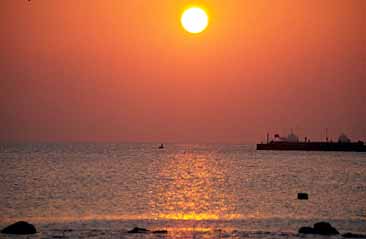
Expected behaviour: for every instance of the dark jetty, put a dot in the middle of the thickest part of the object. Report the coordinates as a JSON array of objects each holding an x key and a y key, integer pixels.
[
  {"x": 320, "y": 228},
  {"x": 313, "y": 146},
  {"x": 20, "y": 228}
]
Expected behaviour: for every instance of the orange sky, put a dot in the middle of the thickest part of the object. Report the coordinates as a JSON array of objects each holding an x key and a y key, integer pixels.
[{"x": 126, "y": 71}]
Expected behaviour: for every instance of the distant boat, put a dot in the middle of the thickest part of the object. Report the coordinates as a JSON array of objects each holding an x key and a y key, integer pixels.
[
  {"x": 292, "y": 143},
  {"x": 161, "y": 146}
]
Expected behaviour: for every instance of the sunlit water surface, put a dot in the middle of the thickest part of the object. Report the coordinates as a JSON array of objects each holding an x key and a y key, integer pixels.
[{"x": 193, "y": 191}]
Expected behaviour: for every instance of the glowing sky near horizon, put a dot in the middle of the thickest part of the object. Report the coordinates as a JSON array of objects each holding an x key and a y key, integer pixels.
[{"x": 127, "y": 71}]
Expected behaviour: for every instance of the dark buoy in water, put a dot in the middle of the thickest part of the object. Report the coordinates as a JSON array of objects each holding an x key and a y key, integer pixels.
[
  {"x": 161, "y": 146},
  {"x": 302, "y": 196}
]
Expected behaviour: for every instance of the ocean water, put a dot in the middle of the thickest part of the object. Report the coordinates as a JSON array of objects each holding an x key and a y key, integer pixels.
[{"x": 193, "y": 191}]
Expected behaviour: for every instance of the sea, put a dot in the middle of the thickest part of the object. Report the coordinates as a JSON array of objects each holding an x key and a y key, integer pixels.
[{"x": 100, "y": 190}]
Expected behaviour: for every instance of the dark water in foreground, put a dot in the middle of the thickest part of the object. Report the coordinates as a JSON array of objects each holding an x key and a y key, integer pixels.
[{"x": 193, "y": 191}]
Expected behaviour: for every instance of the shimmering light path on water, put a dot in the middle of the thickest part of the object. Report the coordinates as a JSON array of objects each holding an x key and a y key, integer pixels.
[{"x": 203, "y": 187}]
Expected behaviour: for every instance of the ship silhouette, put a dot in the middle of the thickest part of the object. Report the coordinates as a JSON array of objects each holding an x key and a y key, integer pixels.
[{"x": 292, "y": 143}]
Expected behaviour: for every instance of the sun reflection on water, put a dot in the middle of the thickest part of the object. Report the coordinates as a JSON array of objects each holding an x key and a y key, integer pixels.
[{"x": 191, "y": 188}]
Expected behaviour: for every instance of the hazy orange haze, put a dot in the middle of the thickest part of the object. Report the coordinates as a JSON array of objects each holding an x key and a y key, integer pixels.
[{"x": 126, "y": 70}]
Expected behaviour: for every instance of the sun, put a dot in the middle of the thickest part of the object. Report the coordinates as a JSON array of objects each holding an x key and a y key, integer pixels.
[{"x": 194, "y": 20}]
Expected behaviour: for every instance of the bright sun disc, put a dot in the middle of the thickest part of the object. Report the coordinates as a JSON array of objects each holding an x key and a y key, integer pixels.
[{"x": 194, "y": 20}]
